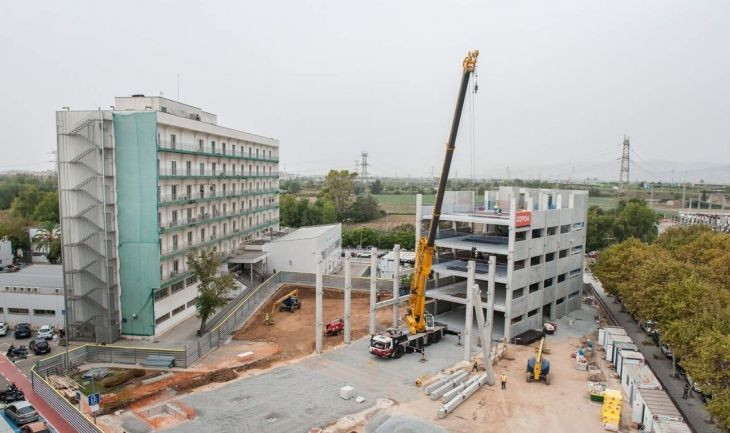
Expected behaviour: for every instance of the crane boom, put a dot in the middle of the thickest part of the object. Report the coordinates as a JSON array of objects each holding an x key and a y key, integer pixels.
[{"x": 415, "y": 317}]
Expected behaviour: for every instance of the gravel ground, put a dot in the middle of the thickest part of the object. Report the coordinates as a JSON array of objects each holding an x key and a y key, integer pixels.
[{"x": 306, "y": 394}]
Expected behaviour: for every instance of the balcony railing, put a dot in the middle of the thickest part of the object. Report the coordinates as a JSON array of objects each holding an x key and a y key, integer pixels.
[
  {"x": 208, "y": 151},
  {"x": 181, "y": 223},
  {"x": 166, "y": 199},
  {"x": 224, "y": 174},
  {"x": 166, "y": 253}
]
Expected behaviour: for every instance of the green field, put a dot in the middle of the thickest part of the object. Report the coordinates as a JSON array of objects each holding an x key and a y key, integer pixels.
[
  {"x": 603, "y": 202},
  {"x": 401, "y": 203}
]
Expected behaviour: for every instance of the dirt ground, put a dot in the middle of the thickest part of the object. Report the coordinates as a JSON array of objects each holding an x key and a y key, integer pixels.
[
  {"x": 522, "y": 407},
  {"x": 294, "y": 332}
]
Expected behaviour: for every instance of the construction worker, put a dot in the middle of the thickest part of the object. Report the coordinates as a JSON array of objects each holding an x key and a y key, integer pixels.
[
  {"x": 475, "y": 366},
  {"x": 503, "y": 379}
]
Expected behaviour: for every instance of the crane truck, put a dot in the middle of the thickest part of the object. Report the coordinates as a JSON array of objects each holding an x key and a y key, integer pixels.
[{"x": 421, "y": 328}]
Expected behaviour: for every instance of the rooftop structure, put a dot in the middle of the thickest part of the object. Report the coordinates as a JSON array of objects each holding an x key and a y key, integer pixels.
[{"x": 142, "y": 186}]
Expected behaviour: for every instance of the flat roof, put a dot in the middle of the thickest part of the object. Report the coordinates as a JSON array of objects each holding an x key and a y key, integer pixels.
[
  {"x": 38, "y": 275},
  {"x": 308, "y": 232},
  {"x": 669, "y": 426},
  {"x": 248, "y": 257},
  {"x": 643, "y": 376},
  {"x": 659, "y": 403}
]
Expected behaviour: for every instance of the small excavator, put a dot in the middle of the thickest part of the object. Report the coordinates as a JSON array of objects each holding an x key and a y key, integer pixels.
[{"x": 422, "y": 330}]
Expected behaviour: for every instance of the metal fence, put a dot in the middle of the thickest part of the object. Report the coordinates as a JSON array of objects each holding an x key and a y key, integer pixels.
[{"x": 80, "y": 422}]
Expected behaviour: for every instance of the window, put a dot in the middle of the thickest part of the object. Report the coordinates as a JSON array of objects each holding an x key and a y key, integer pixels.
[
  {"x": 521, "y": 236},
  {"x": 534, "y": 287},
  {"x": 161, "y": 293},
  {"x": 532, "y": 313},
  {"x": 190, "y": 238},
  {"x": 518, "y": 293},
  {"x": 212, "y": 147},
  {"x": 175, "y": 266},
  {"x": 174, "y": 242},
  {"x": 188, "y": 191},
  {"x": 177, "y": 287},
  {"x": 202, "y": 169},
  {"x": 552, "y": 230},
  {"x": 192, "y": 302},
  {"x": 172, "y": 141},
  {"x": 191, "y": 280},
  {"x": 560, "y": 301},
  {"x": 516, "y": 320},
  {"x": 536, "y": 233},
  {"x": 200, "y": 145},
  {"x": 563, "y": 253},
  {"x": 565, "y": 228},
  {"x": 223, "y": 147},
  {"x": 577, "y": 249},
  {"x": 548, "y": 282},
  {"x": 212, "y": 168},
  {"x": 178, "y": 309},
  {"x": 174, "y": 217},
  {"x": 519, "y": 264},
  {"x": 573, "y": 295},
  {"x": 534, "y": 261},
  {"x": 162, "y": 318},
  {"x": 173, "y": 166},
  {"x": 44, "y": 312},
  {"x": 188, "y": 167},
  {"x": 233, "y": 149},
  {"x": 224, "y": 169},
  {"x": 549, "y": 257},
  {"x": 173, "y": 188},
  {"x": 579, "y": 225},
  {"x": 561, "y": 278},
  {"x": 18, "y": 310},
  {"x": 575, "y": 273}
]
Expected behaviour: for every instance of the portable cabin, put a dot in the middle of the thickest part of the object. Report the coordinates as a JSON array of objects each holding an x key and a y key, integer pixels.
[
  {"x": 603, "y": 332},
  {"x": 626, "y": 357},
  {"x": 611, "y": 341},
  {"x": 654, "y": 404}
]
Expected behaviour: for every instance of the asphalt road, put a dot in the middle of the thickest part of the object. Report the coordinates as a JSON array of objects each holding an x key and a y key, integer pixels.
[{"x": 696, "y": 416}]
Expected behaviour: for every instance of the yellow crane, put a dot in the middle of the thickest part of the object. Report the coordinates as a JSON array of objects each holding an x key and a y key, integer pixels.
[
  {"x": 296, "y": 303},
  {"x": 422, "y": 329}
]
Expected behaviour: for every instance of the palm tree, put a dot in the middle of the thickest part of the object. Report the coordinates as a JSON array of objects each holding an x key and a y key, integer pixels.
[{"x": 43, "y": 238}]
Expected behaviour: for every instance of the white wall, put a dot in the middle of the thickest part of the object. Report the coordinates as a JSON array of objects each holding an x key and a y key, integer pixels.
[
  {"x": 6, "y": 253},
  {"x": 298, "y": 255},
  {"x": 33, "y": 302}
]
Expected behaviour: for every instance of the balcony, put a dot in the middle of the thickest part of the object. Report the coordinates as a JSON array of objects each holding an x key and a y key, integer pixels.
[
  {"x": 181, "y": 224},
  {"x": 193, "y": 149},
  {"x": 196, "y": 197},
  {"x": 169, "y": 252},
  {"x": 168, "y": 173}
]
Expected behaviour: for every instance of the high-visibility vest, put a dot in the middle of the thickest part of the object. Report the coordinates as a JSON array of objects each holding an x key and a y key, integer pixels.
[{"x": 504, "y": 378}]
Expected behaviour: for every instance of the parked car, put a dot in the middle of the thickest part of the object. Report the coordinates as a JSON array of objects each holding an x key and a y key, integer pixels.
[
  {"x": 666, "y": 350},
  {"x": 648, "y": 326},
  {"x": 46, "y": 331},
  {"x": 35, "y": 427},
  {"x": 40, "y": 346},
  {"x": 22, "y": 330},
  {"x": 3, "y": 329},
  {"x": 21, "y": 412}
]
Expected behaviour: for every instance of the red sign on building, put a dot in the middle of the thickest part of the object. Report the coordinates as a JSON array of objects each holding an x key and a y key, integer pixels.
[{"x": 523, "y": 218}]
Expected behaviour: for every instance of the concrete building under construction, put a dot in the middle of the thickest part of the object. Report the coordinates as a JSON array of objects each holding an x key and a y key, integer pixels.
[{"x": 538, "y": 237}]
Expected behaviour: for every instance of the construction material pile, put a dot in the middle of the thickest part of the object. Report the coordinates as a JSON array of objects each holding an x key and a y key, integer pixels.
[{"x": 454, "y": 389}]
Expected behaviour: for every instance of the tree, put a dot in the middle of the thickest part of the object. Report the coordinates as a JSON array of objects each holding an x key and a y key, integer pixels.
[
  {"x": 45, "y": 236},
  {"x": 599, "y": 234},
  {"x": 16, "y": 230},
  {"x": 288, "y": 210},
  {"x": 363, "y": 209},
  {"x": 25, "y": 203},
  {"x": 292, "y": 186},
  {"x": 212, "y": 285},
  {"x": 629, "y": 219},
  {"x": 338, "y": 188},
  {"x": 47, "y": 209},
  {"x": 376, "y": 187},
  {"x": 54, "y": 254},
  {"x": 615, "y": 265}
]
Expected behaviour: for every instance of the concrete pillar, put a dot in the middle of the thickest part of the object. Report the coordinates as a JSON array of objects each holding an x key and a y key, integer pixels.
[
  {"x": 373, "y": 287},
  {"x": 419, "y": 216},
  {"x": 485, "y": 326},
  {"x": 396, "y": 283},
  {"x": 466, "y": 337},
  {"x": 319, "y": 326},
  {"x": 348, "y": 297}
]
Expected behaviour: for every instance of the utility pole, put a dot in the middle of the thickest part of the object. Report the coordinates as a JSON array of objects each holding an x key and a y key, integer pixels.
[
  {"x": 684, "y": 191},
  {"x": 623, "y": 177},
  {"x": 364, "y": 167}
]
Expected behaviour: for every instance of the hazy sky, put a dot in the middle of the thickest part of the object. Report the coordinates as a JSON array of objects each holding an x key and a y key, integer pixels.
[{"x": 560, "y": 82}]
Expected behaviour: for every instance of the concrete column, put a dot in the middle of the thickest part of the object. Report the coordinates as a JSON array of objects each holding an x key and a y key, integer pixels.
[
  {"x": 348, "y": 297},
  {"x": 419, "y": 216},
  {"x": 490, "y": 297},
  {"x": 466, "y": 337},
  {"x": 373, "y": 287},
  {"x": 396, "y": 283},
  {"x": 318, "y": 328}
]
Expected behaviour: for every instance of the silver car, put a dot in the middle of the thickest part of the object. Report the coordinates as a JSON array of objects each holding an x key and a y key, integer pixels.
[
  {"x": 3, "y": 329},
  {"x": 21, "y": 412}
]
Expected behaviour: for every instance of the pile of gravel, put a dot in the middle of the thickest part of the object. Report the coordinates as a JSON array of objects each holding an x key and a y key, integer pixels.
[{"x": 400, "y": 424}]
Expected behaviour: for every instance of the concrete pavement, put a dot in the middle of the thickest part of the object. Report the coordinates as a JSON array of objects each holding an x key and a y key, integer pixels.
[{"x": 692, "y": 409}]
